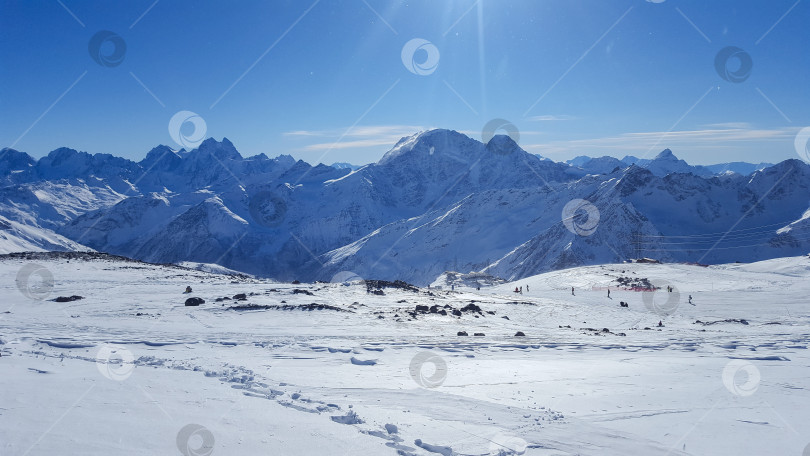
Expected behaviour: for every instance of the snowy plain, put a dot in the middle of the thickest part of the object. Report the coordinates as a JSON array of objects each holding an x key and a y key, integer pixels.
[{"x": 130, "y": 370}]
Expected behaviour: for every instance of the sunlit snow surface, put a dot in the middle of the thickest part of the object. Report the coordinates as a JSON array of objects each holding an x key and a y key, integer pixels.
[{"x": 128, "y": 368}]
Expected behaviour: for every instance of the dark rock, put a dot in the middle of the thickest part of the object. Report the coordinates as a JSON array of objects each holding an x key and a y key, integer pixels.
[
  {"x": 240, "y": 297},
  {"x": 478, "y": 334},
  {"x": 295, "y": 282},
  {"x": 421, "y": 308},
  {"x": 399, "y": 284},
  {"x": 306, "y": 307},
  {"x": 300, "y": 291},
  {"x": 462, "y": 333},
  {"x": 471, "y": 308},
  {"x": 456, "y": 312},
  {"x": 434, "y": 309},
  {"x": 442, "y": 312},
  {"x": 520, "y": 334},
  {"x": 195, "y": 301},
  {"x": 730, "y": 320},
  {"x": 505, "y": 317},
  {"x": 67, "y": 298}
]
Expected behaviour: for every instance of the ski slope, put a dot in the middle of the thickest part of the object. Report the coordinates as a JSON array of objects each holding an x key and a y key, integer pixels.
[{"x": 128, "y": 368}]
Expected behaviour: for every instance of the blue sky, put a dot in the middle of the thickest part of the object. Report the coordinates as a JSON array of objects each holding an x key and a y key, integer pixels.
[{"x": 325, "y": 81}]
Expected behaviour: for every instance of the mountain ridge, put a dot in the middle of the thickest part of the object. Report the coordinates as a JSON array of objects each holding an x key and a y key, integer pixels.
[{"x": 437, "y": 200}]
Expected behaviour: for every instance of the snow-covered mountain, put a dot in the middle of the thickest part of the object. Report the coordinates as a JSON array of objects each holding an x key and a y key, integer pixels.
[
  {"x": 19, "y": 237},
  {"x": 345, "y": 165},
  {"x": 664, "y": 163},
  {"x": 437, "y": 201}
]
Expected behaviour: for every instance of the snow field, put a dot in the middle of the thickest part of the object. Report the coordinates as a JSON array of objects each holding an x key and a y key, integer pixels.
[{"x": 93, "y": 376}]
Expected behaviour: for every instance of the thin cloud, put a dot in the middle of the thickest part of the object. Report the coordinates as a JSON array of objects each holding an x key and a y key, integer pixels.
[
  {"x": 350, "y": 144},
  {"x": 360, "y": 131},
  {"x": 720, "y": 139},
  {"x": 732, "y": 125},
  {"x": 303, "y": 133},
  {"x": 550, "y": 117},
  {"x": 356, "y": 137}
]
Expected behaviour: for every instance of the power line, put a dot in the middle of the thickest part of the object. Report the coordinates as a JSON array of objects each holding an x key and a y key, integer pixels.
[{"x": 720, "y": 233}]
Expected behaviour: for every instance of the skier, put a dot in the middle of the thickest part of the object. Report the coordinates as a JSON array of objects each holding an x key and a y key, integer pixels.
[
  {"x": 188, "y": 289},
  {"x": 608, "y": 292},
  {"x": 516, "y": 290},
  {"x": 690, "y": 300},
  {"x": 521, "y": 290},
  {"x": 572, "y": 291},
  {"x": 660, "y": 324},
  {"x": 527, "y": 288},
  {"x": 452, "y": 288}
]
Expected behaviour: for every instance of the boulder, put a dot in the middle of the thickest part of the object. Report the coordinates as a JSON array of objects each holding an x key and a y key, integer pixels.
[
  {"x": 471, "y": 308},
  {"x": 68, "y": 298},
  {"x": 194, "y": 301}
]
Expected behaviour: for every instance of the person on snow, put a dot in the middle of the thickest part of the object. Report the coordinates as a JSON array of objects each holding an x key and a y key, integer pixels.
[
  {"x": 527, "y": 288},
  {"x": 660, "y": 324},
  {"x": 188, "y": 289},
  {"x": 608, "y": 292},
  {"x": 572, "y": 291},
  {"x": 521, "y": 290},
  {"x": 690, "y": 300}
]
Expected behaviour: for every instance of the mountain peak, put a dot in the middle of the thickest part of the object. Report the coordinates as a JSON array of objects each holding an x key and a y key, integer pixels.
[
  {"x": 221, "y": 149},
  {"x": 667, "y": 155},
  {"x": 438, "y": 141},
  {"x": 167, "y": 157},
  {"x": 502, "y": 145},
  {"x": 11, "y": 159}
]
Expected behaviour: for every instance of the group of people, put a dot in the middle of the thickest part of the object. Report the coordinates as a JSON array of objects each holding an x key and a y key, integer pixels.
[{"x": 520, "y": 289}]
